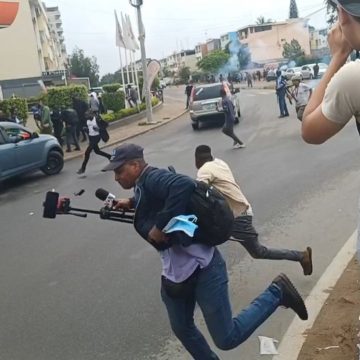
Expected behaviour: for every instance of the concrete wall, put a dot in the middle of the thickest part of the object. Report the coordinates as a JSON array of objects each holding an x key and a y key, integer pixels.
[
  {"x": 265, "y": 45},
  {"x": 19, "y": 57}
]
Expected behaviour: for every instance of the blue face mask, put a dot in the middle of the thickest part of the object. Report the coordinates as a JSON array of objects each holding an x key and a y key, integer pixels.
[{"x": 184, "y": 223}]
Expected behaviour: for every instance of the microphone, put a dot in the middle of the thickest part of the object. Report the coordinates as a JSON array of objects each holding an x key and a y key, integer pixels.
[{"x": 105, "y": 196}]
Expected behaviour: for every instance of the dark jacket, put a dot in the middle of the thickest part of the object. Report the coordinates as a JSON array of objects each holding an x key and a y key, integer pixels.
[
  {"x": 70, "y": 117},
  {"x": 159, "y": 196}
]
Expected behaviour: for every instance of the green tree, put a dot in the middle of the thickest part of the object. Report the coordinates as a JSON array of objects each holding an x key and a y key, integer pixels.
[
  {"x": 261, "y": 20},
  {"x": 214, "y": 61},
  {"x": 293, "y": 50},
  {"x": 184, "y": 74},
  {"x": 331, "y": 12},
  {"x": 293, "y": 10},
  {"x": 84, "y": 66}
]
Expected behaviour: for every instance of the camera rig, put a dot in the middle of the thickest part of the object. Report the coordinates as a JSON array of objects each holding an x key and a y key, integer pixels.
[{"x": 55, "y": 204}]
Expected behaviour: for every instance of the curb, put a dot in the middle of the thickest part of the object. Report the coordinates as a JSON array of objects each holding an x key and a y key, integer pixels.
[{"x": 144, "y": 129}]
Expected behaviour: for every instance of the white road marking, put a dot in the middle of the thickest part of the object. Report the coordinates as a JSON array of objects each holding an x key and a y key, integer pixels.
[{"x": 294, "y": 337}]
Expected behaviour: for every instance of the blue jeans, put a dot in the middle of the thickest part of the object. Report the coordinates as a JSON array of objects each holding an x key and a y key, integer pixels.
[
  {"x": 282, "y": 103},
  {"x": 211, "y": 294}
]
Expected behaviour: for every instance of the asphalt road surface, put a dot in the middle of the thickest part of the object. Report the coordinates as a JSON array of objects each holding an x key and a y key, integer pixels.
[{"x": 87, "y": 289}]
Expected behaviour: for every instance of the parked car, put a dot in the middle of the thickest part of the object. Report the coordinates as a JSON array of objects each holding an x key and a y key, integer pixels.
[
  {"x": 271, "y": 75},
  {"x": 205, "y": 103},
  {"x": 290, "y": 72},
  {"x": 307, "y": 72},
  {"x": 23, "y": 151},
  {"x": 162, "y": 84}
]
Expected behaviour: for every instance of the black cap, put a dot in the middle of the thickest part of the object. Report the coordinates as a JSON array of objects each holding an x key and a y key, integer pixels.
[
  {"x": 352, "y": 7},
  {"x": 123, "y": 154}
]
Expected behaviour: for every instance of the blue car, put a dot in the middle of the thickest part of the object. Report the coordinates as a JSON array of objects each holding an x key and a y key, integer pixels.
[{"x": 23, "y": 151}]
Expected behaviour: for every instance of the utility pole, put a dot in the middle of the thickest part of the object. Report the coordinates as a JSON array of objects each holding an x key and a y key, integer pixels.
[{"x": 137, "y": 4}]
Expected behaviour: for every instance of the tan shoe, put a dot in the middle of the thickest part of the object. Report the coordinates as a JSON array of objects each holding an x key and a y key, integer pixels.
[{"x": 306, "y": 262}]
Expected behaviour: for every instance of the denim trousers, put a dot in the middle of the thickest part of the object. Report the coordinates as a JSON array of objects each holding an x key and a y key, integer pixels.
[
  {"x": 245, "y": 233},
  {"x": 211, "y": 294},
  {"x": 282, "y": 103}
]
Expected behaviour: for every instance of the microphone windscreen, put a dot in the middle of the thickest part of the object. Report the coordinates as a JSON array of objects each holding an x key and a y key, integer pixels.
[
  {"x": 50, "y": 205},
  {"x": 101, "y": 194}
]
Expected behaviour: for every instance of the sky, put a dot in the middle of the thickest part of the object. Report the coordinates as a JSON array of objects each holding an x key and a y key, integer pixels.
[{"x": 170, "y": 25}]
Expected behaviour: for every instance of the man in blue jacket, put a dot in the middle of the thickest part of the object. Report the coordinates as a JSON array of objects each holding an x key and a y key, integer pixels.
[
  {"x": 281, "y": 94},
  {"x": 195, "y": 273}
]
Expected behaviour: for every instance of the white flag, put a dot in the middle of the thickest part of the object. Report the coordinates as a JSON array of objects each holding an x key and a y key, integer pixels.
[
  {"x": 118, "y": 35},
  {"x": 126, "y": 36},
  {"x": 131, "y": 33},
  {"x": 153, "y": 69}
]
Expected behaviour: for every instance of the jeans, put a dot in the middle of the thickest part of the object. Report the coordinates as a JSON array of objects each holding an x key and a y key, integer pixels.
[
  {"x": 282, "y": 103},
  {"x": 245, "y": 233},
  {"x": 93, "y": 145},
  {"x": 211, "y": 294}
]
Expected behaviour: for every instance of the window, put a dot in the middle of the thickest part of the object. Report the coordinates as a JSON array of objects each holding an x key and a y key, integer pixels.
[
  {"x": 17, "y": 132},
  {"x": 204, "y": 93}
]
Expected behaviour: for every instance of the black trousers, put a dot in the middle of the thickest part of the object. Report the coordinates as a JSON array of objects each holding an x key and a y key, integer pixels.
[
  {"x": 245, "y": 233},
  {"x": 93, "y": 146},
  {"x": 229, "y": 131}
]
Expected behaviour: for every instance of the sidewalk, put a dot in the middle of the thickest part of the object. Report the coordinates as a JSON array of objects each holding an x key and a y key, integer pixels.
[
  {"x": 335, "y": 334},
  {"x": 127, "y": 128}
]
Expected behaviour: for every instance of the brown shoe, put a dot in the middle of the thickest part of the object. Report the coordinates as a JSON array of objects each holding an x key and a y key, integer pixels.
[{"x": 306, "y": 262}]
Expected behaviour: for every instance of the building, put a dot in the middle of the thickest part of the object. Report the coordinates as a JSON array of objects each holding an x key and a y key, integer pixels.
[
  {"x": 265, "y": 41},
  {"x": 34, "y": 48},
  {"x": 200, "y": 51},
  {"x": 318, "y": 43},
  {"x": 227, "y": 38},
  {"x": 183, "y": 58},
  {"x": 213, "y": 45}
]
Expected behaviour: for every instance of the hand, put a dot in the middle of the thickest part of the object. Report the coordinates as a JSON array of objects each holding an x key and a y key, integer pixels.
[
  {"x": 157, "y": 236},
  {"x": 125, "y": 204},
  {"x": 339, "y": 46}
]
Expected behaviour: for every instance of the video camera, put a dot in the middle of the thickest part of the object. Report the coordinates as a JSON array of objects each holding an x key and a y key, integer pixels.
[{"x": 55, "y": 204}]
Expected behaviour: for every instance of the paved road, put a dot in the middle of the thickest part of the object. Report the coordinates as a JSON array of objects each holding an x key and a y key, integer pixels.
[{"x": 89, "y": 289}]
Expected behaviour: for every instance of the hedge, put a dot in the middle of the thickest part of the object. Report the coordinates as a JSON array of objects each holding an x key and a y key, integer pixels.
[
  {"x": 19, "y": 104},
  {"x": 114, "y": 101},
  {"x": 127, "y": 112},
  {"x": 111, "y": 88},
  {"x": 61, "y": 96}
]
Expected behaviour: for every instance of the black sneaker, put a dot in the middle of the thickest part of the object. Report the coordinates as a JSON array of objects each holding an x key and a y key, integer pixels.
[
  {"x": 290, "y": 296},
  {"x": 80, "y": 171}
]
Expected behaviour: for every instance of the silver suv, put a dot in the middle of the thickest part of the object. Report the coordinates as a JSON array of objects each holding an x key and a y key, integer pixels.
[{"x": 205, "y": 103}]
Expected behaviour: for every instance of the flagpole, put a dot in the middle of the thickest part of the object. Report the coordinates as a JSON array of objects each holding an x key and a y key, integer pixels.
[
  {"x": 122, "y": 78},
  {"x": 136, "y": 76}
]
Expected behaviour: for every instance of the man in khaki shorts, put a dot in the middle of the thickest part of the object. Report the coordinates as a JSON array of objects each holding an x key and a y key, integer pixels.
[{"x": 301, "y": 94}]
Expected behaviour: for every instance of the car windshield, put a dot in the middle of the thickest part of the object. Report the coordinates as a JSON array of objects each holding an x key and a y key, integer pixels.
[{"x": 208, "y": 92}]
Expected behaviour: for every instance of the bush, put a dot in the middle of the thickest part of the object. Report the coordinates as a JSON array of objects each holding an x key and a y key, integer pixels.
[
  {"x": 19, "y": 104},
  {"x": 114, "y": 101},
  {"x": 111, "y": 88},
  {"x": 61, "y": 96}
]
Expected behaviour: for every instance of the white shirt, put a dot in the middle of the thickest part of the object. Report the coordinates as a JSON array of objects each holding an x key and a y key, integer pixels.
[
  {"x": 218, "y": 174},
  {"x": 342, "y": 96},
  {"x": 92, "y": 125},
  {"x": 301, "y": 94}
]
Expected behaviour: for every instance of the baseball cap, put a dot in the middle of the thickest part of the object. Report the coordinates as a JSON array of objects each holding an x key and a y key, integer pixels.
[
  {"x": 352, "y": 7},
  {"x": 122, "y": 154}
]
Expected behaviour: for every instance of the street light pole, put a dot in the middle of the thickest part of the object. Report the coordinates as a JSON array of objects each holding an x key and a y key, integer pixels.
[{"x": 137, "y": 4}]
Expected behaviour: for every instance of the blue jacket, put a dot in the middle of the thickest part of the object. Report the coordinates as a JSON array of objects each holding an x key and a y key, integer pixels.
[{"x": 159, "y": 196}]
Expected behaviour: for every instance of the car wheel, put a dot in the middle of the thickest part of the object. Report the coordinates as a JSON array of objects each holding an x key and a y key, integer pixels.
[
  {"x": 195, "y": 125},
  {"x": 54, "y": 164}
]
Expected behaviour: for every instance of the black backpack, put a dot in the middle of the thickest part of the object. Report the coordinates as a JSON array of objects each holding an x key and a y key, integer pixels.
[
  {"x": 102, "y": 125},
  {"x": 215, "y": 217}
]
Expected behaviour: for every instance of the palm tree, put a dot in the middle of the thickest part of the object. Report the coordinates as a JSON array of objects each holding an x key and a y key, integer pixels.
[{"x": 261, "y": 20}]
